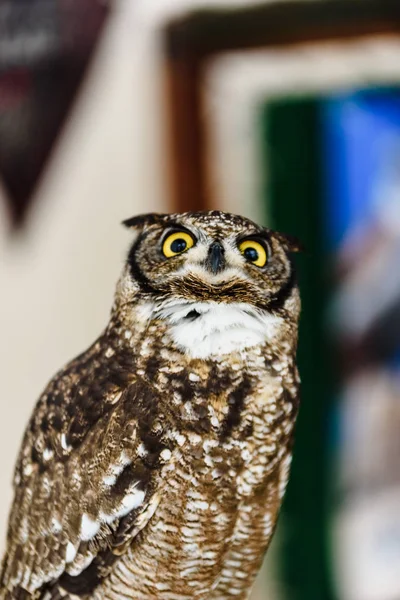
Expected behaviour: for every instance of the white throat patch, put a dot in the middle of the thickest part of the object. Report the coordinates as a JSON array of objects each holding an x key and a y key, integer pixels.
[{"x": 206, "y": 329}]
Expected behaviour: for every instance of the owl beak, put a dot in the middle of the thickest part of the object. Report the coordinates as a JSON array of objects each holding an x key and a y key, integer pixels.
[{"x": 216, "y": 258}]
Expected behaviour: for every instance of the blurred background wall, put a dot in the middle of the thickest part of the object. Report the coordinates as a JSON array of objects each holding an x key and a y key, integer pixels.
[{"x": 288, "y": 113}]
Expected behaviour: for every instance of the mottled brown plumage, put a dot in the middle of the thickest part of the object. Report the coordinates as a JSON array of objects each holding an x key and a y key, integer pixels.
[{"x": 155, "y": 463}]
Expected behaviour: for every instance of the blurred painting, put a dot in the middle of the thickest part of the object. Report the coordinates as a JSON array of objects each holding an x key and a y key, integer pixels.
[{"x": 362, "y": 177}]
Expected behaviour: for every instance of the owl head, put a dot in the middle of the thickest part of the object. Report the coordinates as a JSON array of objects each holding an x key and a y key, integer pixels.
[{"x": 213, "y": 256}]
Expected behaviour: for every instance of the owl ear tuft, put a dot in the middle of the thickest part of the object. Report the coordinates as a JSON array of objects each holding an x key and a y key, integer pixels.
[
  {"x": 290, "y": 242},
  {"x": 141, "y": 221}
]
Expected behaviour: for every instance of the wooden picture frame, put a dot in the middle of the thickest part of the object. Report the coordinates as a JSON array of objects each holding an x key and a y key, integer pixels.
[{"x": 193, "y": 40}]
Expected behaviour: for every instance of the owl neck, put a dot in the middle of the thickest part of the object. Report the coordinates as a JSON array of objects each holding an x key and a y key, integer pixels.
[
  {"x": 205, "y": 330},
  {"x": 194, "y": 334}
]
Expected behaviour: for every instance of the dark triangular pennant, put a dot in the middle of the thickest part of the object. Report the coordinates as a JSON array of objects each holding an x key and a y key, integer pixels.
[{"x": 45, "y": 48}]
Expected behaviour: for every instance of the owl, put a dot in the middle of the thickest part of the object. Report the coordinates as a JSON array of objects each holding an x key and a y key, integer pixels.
[{"x": 155, "y": 463}]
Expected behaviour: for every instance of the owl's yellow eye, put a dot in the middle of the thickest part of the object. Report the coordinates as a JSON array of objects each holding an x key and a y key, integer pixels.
[
  {"x": 176, "y": 243},
  {"x": 254, "y": 252}
]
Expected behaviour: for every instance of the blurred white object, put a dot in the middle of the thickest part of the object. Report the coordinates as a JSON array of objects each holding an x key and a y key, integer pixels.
[{"x": 367, "y": 548}]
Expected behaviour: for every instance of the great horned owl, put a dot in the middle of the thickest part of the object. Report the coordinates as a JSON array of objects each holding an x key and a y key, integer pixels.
[{"x": 155, "y": 463}]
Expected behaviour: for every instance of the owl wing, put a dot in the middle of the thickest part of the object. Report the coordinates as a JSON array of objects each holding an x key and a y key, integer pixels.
[{"x": 85, "y": 490}]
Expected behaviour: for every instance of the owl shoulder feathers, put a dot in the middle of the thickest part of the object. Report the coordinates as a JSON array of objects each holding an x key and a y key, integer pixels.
[{"x": 88, "y": 478}]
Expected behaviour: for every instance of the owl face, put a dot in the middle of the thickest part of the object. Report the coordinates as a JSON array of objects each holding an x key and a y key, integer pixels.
[{"x": 211, "y": 256}]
